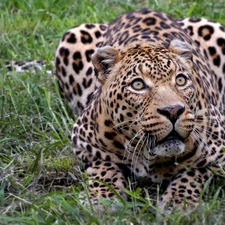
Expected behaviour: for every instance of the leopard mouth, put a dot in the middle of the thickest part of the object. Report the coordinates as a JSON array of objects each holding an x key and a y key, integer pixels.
[
  {"x": 171, "y": 145},
  {"x": 173, "y": 135}
]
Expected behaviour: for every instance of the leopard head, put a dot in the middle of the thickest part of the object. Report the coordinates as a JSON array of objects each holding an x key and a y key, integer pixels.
[{"x": 149, "y": 94}]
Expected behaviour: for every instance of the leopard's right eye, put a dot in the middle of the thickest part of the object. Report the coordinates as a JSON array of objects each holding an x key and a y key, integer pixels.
[{"x": 138, "y": 84}]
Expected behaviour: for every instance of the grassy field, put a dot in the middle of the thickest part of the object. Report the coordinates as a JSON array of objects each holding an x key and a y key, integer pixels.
[{"x": 39, "y": 175}]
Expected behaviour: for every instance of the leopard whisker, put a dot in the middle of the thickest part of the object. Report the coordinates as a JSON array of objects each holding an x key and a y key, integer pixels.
[
  {"x": 125, "y": 121},
  {"x": 129, "y": 144},
  {"x": 137, "y": 148},
  {"x": 207, "y": 132},
  {"x": 150, "y": 141},
  {"x": 198, "y": 138},
  {"x": 123, "y": 126}
]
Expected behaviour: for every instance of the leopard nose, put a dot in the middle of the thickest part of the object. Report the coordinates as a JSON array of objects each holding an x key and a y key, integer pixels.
[{"x": 172, "y": 112}]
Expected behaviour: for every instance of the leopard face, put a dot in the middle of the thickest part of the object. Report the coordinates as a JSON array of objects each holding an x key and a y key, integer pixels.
[{"x": 148, "y": 95}]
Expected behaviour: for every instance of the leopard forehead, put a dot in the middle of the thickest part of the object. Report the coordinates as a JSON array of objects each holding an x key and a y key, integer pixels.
[
  {"x": 154, "y": 63},
  {"x": 157, "y": 63}
]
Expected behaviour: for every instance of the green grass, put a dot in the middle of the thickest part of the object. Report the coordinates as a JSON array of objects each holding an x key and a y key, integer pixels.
[{"x": 39, "y": 176}]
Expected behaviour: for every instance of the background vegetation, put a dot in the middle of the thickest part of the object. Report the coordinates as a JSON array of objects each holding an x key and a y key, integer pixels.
[{"x": 39, "y": 175}]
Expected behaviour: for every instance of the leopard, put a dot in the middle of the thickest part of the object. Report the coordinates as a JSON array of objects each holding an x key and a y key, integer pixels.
[{"x": 149, "y": 92}]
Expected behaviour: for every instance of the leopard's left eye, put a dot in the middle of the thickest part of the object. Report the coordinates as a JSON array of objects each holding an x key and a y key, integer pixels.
[{"x": 181, "y": 80}]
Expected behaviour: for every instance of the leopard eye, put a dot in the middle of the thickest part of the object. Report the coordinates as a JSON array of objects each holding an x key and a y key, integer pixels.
[
  {"x": 138, "y": 84},
  {"x": 181, "y": 80}
]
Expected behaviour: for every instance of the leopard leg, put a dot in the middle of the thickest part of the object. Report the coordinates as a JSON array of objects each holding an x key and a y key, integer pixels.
[
  {"x": 184, "y": 191},
  {"x": 73, "y": 67},
  {"x": 113, "y": 176}
]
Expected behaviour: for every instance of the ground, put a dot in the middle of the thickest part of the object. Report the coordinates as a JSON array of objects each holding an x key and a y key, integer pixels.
[{"x": 38, "y": 183}]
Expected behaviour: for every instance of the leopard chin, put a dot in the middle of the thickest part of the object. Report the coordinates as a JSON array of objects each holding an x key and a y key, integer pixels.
[{"x": 170, "y": 148}]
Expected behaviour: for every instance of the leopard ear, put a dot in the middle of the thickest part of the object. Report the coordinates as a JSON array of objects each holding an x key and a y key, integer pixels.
[
  {"x": 181, "y": 48},
  {"x": 104, "y": 60}
]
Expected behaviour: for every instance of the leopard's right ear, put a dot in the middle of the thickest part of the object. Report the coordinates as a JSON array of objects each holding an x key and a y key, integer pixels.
[{"x": 104, "y": 59}]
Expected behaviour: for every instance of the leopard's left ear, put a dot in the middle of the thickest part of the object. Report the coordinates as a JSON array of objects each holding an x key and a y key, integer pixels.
[
  {"x": 104, "y": 59},
  {"x": 181, "y": 48}
]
